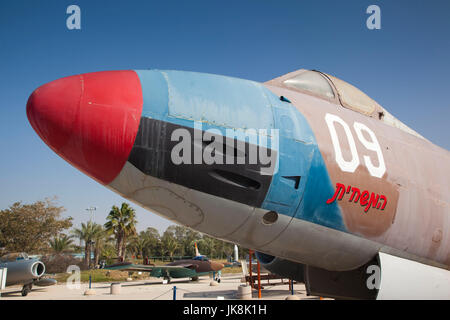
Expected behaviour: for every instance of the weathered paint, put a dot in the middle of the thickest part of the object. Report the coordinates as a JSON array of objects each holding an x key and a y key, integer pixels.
[
  {"x": 222, "y": 103},
  {"x": 190, "y": 98},
  {"x": 90, "y": 120},
  {"x": 416, "y": 219},
  {"x": 335, "y": 235},
  {"x": 300, "y": 156}
]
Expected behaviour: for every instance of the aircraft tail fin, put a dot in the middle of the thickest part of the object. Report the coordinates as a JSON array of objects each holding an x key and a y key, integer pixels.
[{"x": 196, "y": 250}]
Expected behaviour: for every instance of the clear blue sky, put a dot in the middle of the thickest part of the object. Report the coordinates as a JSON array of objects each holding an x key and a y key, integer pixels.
[{"x": 404, "y": 66}]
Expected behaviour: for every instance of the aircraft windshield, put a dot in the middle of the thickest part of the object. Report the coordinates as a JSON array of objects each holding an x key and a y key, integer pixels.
[
  {"x": 200, "y": 258},
  {"x": 311, "y": 81},
  {"x": 353, "y": 98},
  {"x": 321, "y": 85}
]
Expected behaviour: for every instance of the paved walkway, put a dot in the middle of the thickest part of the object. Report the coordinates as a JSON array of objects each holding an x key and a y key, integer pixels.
[{"x": 154, "y": 289}]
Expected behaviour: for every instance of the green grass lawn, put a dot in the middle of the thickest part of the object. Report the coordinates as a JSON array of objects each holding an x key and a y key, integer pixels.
[
  {"x": 99, "y": 275},
  {"x": 161, "y": 263}
]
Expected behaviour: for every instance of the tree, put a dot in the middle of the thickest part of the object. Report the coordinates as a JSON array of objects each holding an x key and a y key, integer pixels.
[
  {"x": 99, "y": 237},
  {"x": 169, "y": 243},
  {"x": 208, "y": 246},
  {"x": 138, "y": 244},
  {"x": 185, "y": 238},
  {"x": 227, "y": 249},
  {"x": 108, "y": 253},
  {"x": 88, "y": 233},
  {"x": 122, "y": 224},
  {"x": 28, "y": 227},
  {"x": 191, "y": 238},
  {"x": 152, "y": 241},
  {"x": 61, "y": 244}
]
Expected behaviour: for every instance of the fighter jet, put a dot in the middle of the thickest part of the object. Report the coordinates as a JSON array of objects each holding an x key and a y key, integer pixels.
[
  {"x": 25, "y": 271},
  {"x": 187, "y": 268},
  {"x": 320, "y": 180}
]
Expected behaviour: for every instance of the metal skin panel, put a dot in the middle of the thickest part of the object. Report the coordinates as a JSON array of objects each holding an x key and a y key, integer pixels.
[
  {"x": 300, "y": 156},
  {"x": 180, "y": 204},
  {"x": 159, "y": 88},
  {"x": 303, "y": 241},
  {"x": 415, "y": 223},
  {"x": 218, "y": 100},
  {"x": 318, "y": 191},
  {"x": 183, "y": 97},
  {"x": 151, "y": 154},
  {"x": 298, "y": 150},
  {"x": 411, "y": 280}
]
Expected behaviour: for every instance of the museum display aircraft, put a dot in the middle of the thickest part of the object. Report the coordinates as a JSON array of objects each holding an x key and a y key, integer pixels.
[
  {"x": 26, "y": 271},
  {"x": 325, "y": 184},
  {"x": 193, "y": 268}
]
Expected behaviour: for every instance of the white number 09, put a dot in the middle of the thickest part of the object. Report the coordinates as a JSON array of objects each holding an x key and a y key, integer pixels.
[{"x": 350, "y": 166}]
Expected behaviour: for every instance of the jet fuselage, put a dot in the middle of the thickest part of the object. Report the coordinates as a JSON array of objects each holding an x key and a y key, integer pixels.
[{"x": 272, "y": 168}]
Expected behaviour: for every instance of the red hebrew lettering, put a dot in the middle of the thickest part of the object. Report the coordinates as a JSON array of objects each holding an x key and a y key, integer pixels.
[
  {"x": 373, "y": 201},
  {"x": 364, "y": 197},
  {"x": 340, "y": 189},
  {"x": 355, "y": 190},
  {"x": 384, "y": 204}
]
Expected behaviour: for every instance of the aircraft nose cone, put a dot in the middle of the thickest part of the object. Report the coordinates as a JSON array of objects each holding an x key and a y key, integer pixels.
[{"x": 90, "y": 120}]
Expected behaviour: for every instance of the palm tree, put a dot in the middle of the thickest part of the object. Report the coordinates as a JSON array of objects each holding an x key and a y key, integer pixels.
[
  {"x": 153, "y": 242},
  {"x": 122, "y": 223},
  {"x": 99, "y": 239},
  {"x": 61, "y": 244},
  {"x": 108, "y": 253},
  {"x": 207, "y": 245},
  {"x": 88, "y": 233},
  {"x": 169, "y": 244},
  {"x": 138, "y": 244}
]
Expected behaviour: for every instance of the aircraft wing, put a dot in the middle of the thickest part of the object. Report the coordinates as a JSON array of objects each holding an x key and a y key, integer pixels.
[
  {"x": 128, "y": 266},
  {"x": 231, "y": 265}
]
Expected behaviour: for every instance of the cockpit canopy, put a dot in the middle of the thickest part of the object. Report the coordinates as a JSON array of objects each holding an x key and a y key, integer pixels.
[
  {"x": 200, "y": 258},
  {"x": 15, "y": 256},
  {"x": 325, "y": 86},
  {"x": 321, "y": 84},
  {"x": 312, "y": 82}
]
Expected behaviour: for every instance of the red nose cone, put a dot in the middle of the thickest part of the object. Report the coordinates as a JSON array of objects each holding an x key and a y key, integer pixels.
[{"x": 90, "y": 120}]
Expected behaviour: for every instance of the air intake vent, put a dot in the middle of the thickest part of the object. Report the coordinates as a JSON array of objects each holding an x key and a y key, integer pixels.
[
  {"x": 235, "y": 179},
  {"x": 228, "y": 150}
]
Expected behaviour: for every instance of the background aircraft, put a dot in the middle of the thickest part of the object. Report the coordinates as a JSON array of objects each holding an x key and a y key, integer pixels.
[
  {"x": 187, "y": 268},
  {"x": 25, "y": 271},
  {"x": 354, "y": 203}
]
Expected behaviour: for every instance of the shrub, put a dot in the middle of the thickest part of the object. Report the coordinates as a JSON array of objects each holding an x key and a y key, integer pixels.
[{"x": 60, "y": 262}]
